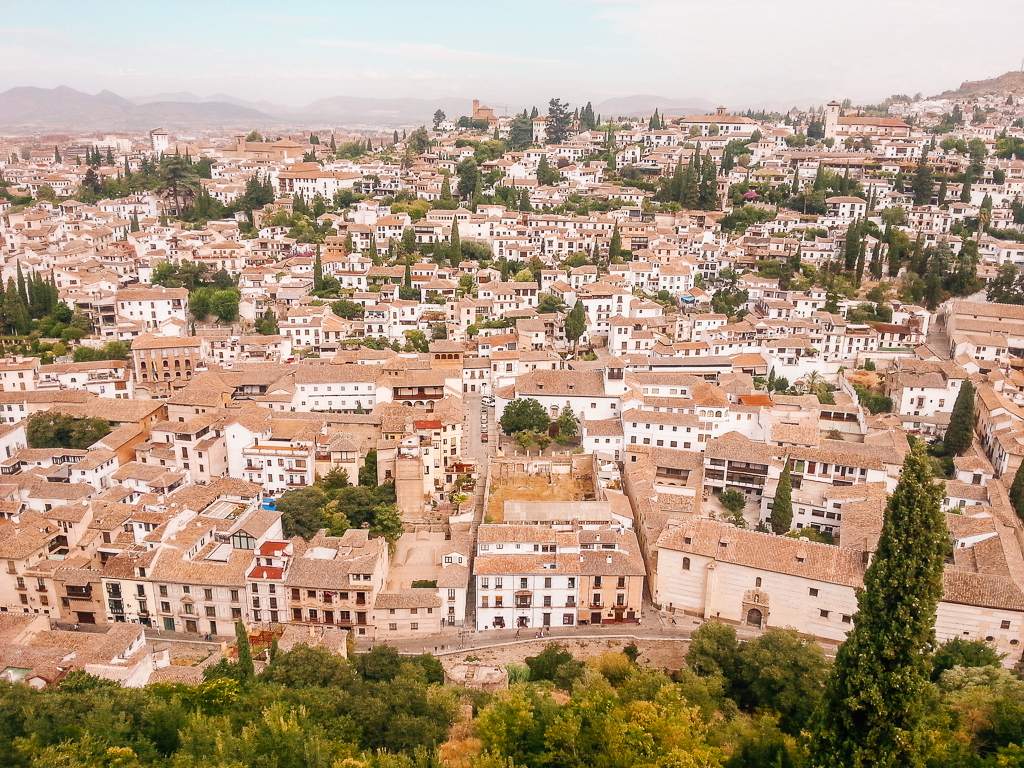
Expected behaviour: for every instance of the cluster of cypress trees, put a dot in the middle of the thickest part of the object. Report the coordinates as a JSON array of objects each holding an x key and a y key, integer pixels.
[
  {"x": 93, "y": 156},
  {"x": 26, "y": 299},
  {"x": 693, "y": 187}
]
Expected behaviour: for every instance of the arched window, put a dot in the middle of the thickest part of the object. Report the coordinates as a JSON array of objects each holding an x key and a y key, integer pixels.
[{"x": 686, "y": 563}]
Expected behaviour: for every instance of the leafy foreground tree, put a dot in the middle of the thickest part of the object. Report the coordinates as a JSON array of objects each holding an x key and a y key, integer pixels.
[
  {"x": 963, "y": 653},
  {"x": 876, "y": 698},
  {"x": 575, "y": 323}
]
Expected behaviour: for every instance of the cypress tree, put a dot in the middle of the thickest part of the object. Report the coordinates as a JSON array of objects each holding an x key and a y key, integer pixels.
[
  {"x": 372, "y": 250},
  {"x": 1017, "y": 492},
  {"x": 56, "y": 154},
  {"x": 690, "y": 197},
  {"x": 876, "y": 261},
  {"x": 245, "y": 665},
  {"x": 707, "y": 194},
  {"x": 407, "y": 278},
  {"x": 851, "y": 246},
  {"x": 408, "y": 240},
  {"x": 859, "y": 268},
  {"x": 110, "y": 156},
  {"x": 318, "y": 270},
  {"x": 22, "y": 288},
  {"x": 782, "y": 505},
  {"x": 960, "y": 432},
  {"x": 127, "y": 168},
  {"x": 33, "y": 296},
  {"x": 446, "y": 190},
  {"x": 615, "y": 245},
  {"x": 877, "y": 695},
  {"x": 14, "y": 309},
  {"x": 455, "y": 247},
  {"x": 135, "y": 222}
]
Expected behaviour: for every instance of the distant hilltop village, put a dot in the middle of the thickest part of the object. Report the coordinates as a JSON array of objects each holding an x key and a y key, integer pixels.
[{"x": 504, "y": 372}]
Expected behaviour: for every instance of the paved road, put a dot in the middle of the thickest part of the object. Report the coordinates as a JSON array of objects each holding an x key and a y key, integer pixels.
[{"x": 473, "y": 447}]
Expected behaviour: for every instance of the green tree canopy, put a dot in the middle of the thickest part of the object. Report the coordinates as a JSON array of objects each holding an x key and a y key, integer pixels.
[
  {"x": 524, "y": 414},
  {"x": 51, "y": 429}
]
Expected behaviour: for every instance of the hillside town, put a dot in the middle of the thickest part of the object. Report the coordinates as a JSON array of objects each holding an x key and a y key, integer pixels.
[{"x": 504, "y": 374}]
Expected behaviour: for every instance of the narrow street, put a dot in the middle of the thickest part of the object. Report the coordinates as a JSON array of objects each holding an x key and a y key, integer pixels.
[{"x": 479, "y": 451}]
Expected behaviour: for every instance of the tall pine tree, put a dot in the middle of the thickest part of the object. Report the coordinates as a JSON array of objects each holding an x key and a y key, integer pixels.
[{"x": 877, "y": 695}]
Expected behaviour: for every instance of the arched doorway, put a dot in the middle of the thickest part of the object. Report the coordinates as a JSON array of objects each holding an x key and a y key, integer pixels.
[{"x": 754, "y": 618}]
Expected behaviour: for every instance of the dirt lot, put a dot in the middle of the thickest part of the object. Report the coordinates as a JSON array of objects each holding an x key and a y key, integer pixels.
[
  {"x": 661, "y": 654},
  {"x": 521, "y": 487}
]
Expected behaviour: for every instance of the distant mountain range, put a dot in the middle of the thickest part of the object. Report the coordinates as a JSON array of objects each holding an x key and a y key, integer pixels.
[{"x": 66, "y": 108}]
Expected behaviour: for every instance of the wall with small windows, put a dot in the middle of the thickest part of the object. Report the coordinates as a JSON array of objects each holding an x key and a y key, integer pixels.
[
  {"x": 1004, "y": 629},
  {"x": 709, "y": 588}
]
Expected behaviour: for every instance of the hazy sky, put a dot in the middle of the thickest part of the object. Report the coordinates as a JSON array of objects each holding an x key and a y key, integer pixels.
[{"x": 736, "y": 52}]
